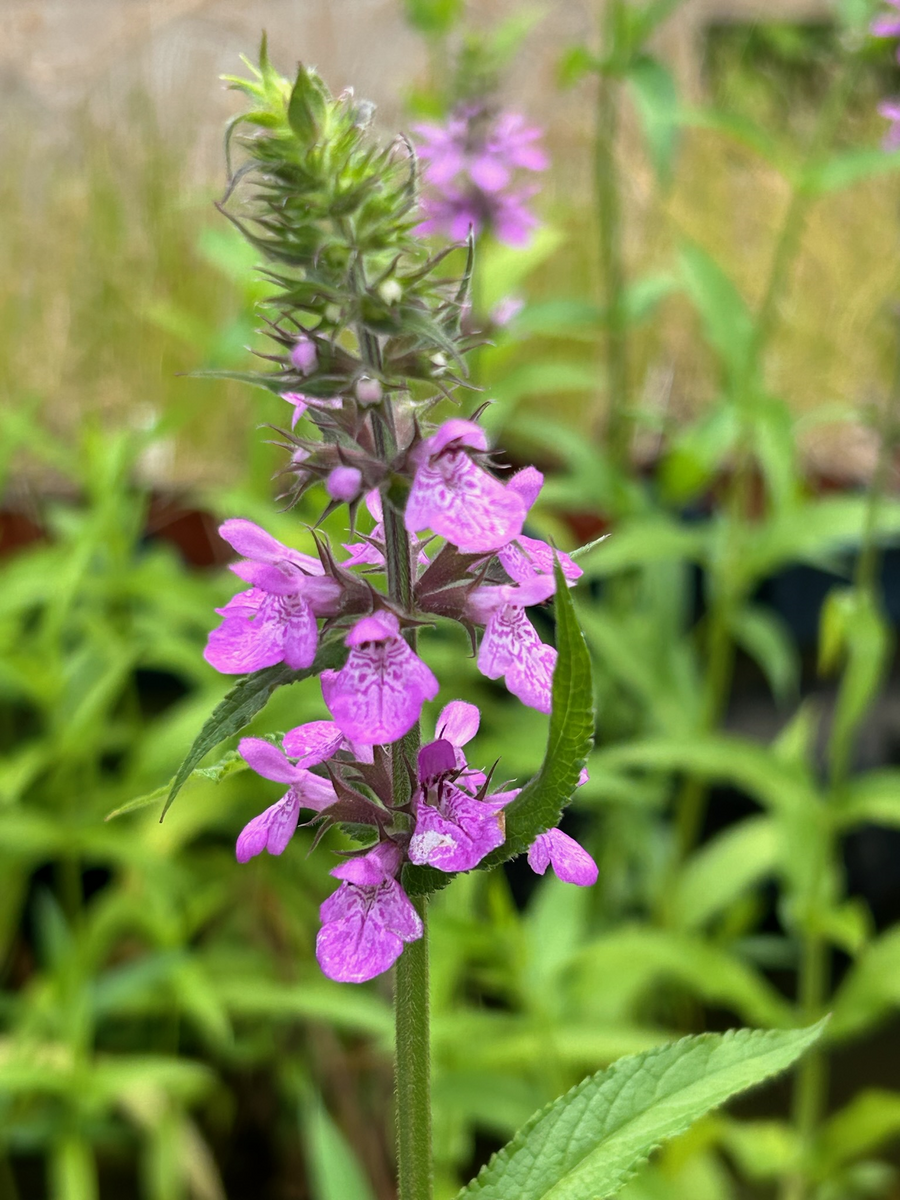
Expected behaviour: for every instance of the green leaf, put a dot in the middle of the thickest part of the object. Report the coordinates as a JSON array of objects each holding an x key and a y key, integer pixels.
[
  {"x": 335, "y": 1173},
  {"x": 870, "y": 1119},
  {"x": 656, "y": 101},
  {"x": 851, "y": 167},
  {"x": 723, "y": 870},
  {"x": 871, "y": 988},
  {"x": 727, "y": 321},
  {"x": 248, "y": 696},
  {"x": 230, "y": 764},
  {"x": 587, "y": 1143},
  {"x": 540, "y": 803},
  {"x": 767, "y": 639}
]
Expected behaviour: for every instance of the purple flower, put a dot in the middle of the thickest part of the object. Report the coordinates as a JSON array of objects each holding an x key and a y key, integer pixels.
[
  {"x": 367, "y": 920},
  {"x": 274, "y": 828},
  {"x": 571, "y": 862},
  {"x": 890, "y": 110},
  {"x": 506, "y": 310},
  {"x": 275, "y": 621},
  {"x": 510, "y": 647},
  {"x": 378, "y": 694},
  {"x": 888, "y": 24},
  {"x": 454, "y": 830},
  {"x": 524, "y": 558},
  {"x": 301, "y": 403},
  {"x": 368, "y": 391},
  {"x": 369, "y": 552},
  {"x": 469, "y": 164},
  {"x": 343, "y": 483},
  {"x": 455, "y": 497},
  {"x": 303, "y": 355}
]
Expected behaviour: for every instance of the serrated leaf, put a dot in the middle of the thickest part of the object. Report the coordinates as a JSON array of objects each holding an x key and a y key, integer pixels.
[
  {"x": 587, "y": 1143},
  {"x": 540, "y": 803},
  {"x": 229, "y": 764},
  {"x": 248, "y": 697}
]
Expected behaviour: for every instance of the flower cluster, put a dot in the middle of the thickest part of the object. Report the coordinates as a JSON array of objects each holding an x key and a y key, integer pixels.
[
  {"x": 486, "y": 574},
  {"x": 367, "y": 338},
  {"x": 470, "y": 166},
  {"x": 888, "y": 26}
]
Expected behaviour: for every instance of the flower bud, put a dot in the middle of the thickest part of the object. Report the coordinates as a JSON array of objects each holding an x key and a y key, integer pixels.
[
  {"x": 344, "y": 483},
  {"x": 303, "y": 356},
  {"x": 390, "y": 291},
  {"x": 368, "y": 391}
]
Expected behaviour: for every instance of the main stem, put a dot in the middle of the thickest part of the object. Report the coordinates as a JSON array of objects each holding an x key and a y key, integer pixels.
[{"x": 412, "y": 1065}]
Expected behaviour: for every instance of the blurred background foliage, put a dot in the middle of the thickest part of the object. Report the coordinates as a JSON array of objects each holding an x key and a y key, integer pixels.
[{"x": 705, "y": 366}]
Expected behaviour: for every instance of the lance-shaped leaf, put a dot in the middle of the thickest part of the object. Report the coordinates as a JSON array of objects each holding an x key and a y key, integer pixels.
[
  {"x": 588, "y": 1143},
  {"x": 248, "y": 697},
  {"x": 539, "y": 805}
]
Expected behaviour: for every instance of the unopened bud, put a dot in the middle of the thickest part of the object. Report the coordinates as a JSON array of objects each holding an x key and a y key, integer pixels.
[
  {"x": 390, "y": 291},
  {"x": 368, "y": 391},
  {"x": 303, "y": 356},
  {"x": 344, "y": 483}
]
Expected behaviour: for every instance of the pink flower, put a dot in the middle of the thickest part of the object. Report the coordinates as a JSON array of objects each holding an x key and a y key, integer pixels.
[
  {"x": 571, "y": 862},
  {"x": 366, "y": 922},
  {"x": 510, "y": 648},
  {"x": 470, "y": 163},
  {"x": 304, "y": 357},
  {"x": 274, "y": 828},
  {"x": 524, "y": 558},
  {"x": 275, "y": 621},
  {"x": 455, "y": 497},
  {"x": 343, "y": 483},
  {"x": 378, "y": 694},
  {"x": 454, "y": 830}
]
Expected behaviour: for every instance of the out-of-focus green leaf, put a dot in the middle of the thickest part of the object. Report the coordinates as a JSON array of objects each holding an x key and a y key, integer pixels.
[
  {"x": 590, "y": 1141},
  {"x": 73, "y": 1170},
  {"x": 723, "y": 869},
  {"x": 767, "y": 639},
  {"x": 871, "y": 1119},
  {"x": 229, "y": 764},
  {"x": 334, "y": 1169},
  {"x": 851, "y": 167},
  {"x": 727, "y": 322},
  {"x": 656, "y": 100},
  {"x": 871, "y": 988}
]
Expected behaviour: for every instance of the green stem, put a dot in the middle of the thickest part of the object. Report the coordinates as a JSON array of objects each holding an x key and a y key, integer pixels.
[
  {"x": 612, "y": 268},
  {"x": 811, "y": 1083},
  {"x": 413, "y": 1042},
  {"x": 413, "y": 1067}
]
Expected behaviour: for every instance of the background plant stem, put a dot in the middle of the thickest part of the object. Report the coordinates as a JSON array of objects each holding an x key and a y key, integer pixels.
[{"x": 612, "y": 269}]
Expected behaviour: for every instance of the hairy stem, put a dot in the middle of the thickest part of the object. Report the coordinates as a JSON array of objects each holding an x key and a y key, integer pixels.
[{"x": 413, "y": 1067}]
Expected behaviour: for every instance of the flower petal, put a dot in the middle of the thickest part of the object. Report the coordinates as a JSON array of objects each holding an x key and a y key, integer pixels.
[
  {"x": 457, "y": 835},
  {"x": 464, "y": 504},
  {"x": 313, "y": 742},
  {"x": 267, "y": 760},
  {"x": 458, "y": 722},
  {"x": 571, "y": 862},
  {"x": 364, "y": 930},
  {"x": 271, "y": 830}
]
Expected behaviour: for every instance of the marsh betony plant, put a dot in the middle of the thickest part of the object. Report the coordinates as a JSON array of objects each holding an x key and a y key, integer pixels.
[{"x": 366, "y": 340}]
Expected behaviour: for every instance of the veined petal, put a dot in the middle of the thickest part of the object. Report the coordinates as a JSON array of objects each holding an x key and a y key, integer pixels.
[
  {"x": 364, "y": 929},
  {"x": 458, "y": 722},
  {"x": 571, "y": 862},
  {"x": 524, "y": 557},
  {"x": 458, "y": 834},
  {"x": 464, "y": 504},
  {"x": 271, "y": 830},
  {"x": 512, "y": 649},
  {"x": 239, "y": 646},
  {"x": 378, "y": 694},
  {"x": 250, "y": 541},
  {"x": 313, "y": 742}
]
